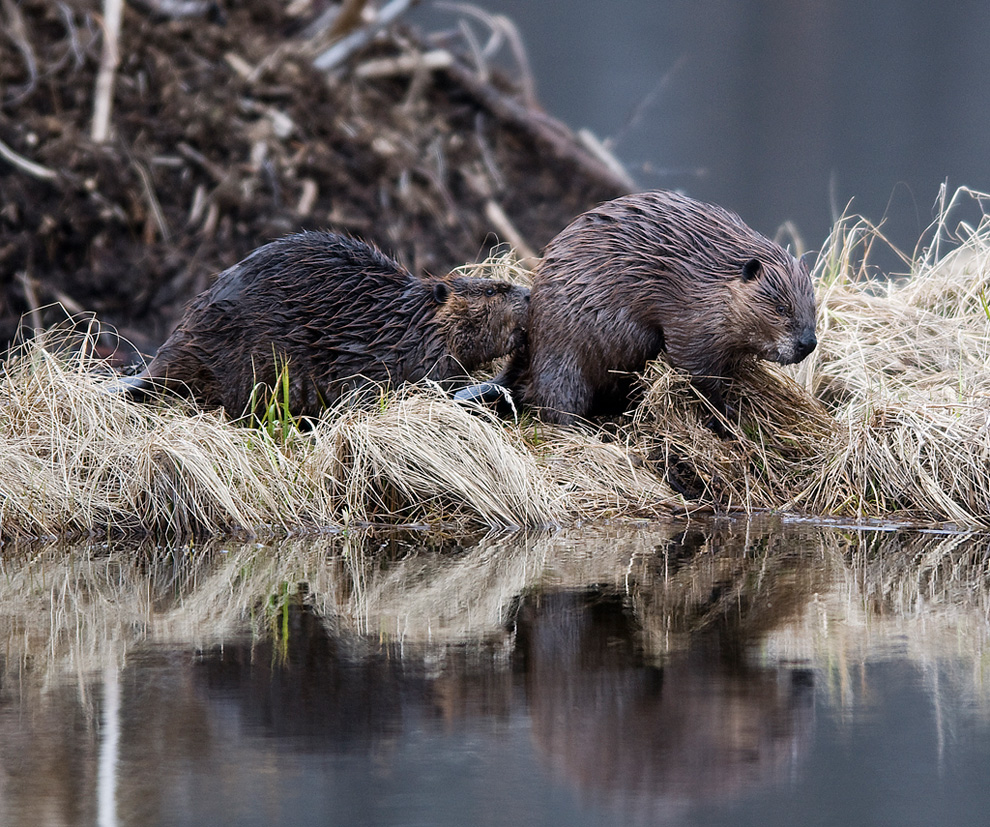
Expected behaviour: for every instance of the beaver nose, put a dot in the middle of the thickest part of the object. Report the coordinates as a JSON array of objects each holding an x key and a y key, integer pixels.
[{"x": 807, "y": 343}]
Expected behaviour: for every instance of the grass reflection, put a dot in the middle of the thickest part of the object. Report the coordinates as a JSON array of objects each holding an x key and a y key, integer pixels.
[
  {"x": 635, "y": 655},
  {"x": 797, "y": 592}
]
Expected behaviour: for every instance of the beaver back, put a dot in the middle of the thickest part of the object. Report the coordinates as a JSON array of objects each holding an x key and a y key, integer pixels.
[
  {"x": 658, "y": 273},
  {"x": 335, "y": 313}
]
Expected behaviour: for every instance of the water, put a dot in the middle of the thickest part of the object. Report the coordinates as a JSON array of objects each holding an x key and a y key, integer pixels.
[
  {"x": 727, "y": 673},
  {"x": 784, "y": 112}
]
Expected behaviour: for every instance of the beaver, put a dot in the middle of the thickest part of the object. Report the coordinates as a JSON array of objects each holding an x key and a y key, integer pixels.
[
  {"x": 335, "y": 313},
  {"x": 656, "y": 273}
]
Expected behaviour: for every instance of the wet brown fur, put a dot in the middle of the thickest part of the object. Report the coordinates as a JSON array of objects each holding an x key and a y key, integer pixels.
[
  {"x": 336, "y": 313},
  {"x": 654, "y": 273}
]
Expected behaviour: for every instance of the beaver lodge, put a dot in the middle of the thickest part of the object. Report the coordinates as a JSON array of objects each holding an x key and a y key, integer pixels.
[{"x": 220, "y": 134}]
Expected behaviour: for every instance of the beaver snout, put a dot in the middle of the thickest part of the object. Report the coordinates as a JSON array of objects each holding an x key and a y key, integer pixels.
[
  {"x": 793, "y": 349},
  {"x": 805, "y": 344}
]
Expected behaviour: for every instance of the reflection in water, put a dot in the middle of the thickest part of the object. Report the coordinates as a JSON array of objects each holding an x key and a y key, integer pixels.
[
  {"x": 109, "y": 747},
  {"x": 703, "y": 725},
  {"x": 658, "y": 674}
]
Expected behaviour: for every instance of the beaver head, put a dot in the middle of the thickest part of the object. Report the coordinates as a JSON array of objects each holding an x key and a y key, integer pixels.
[
  {"x": 480, "y": 319},
  {"x": 771, "y": 311},
  {"x": 712, "y": 291}
]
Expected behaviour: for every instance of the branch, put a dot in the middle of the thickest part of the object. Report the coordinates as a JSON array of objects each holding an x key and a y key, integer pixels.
[
  {"x": 103, "y": 95},
  {"x": 16, "y": 30},
  {"x": 30, "y": 167},
  {"x": 496, "y": 215},
  {"x": 346, "y": 46},
  {"x": 548, "y": 131}
]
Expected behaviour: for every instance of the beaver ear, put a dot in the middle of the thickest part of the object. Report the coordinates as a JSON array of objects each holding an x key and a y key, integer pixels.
[
  {"x": 440, "y": 292},
  {"x": 808, "y": 260},
  {"x": 752, "y": 269}
]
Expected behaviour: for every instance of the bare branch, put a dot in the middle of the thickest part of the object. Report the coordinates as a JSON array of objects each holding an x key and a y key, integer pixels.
[
  {"x": 349, "y": 19},
  {"x": 29, "y": 288},
  {"x": 637, "y": 113},
  {"x": 346, "y": 46},
  {"x": 598, "y": 148},
  {"x": 75, "y": 46},
  {"x": 404, "y": 64},
  {"x": 153, "y": 204},
  {"x": 557, "y": 138},
  {"x": 103, "y": 94},
  {"x": 502, "y": 28},
  {"x": 22, "y": 163},
  {"x": 16, "y": 30},
  {"x": 501, "y": 222}
]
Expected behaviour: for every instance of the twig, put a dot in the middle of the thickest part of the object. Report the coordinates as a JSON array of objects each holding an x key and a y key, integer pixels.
[
  {"x": 404, "y": 64},
  {"x": 179, "y": 9},
  {"x": 240, "y": 65},
  {"x": 17, "y": 31},
  {"x": 501, "y": 27},
  {"x": 307, "y": 198},
  {"x": 69, "y": 303},
  {"x": 598, "y": 148},
  {"x": 336, "y": 21},
  {"x": 198, "y": 205},
  {"x": 540, "y": 127},
  {"x": 475, "y": 48},
  {"x": 346, "y": 46},
  {"x": 487, "y": 156},
  {"x": 153, "y": 203},
  {"x": 217, "y": 173},
  {"x": 647, "y": 101},
  {"x": 30, "y": 167},
  {"x": 74, "y": 45},
  {"x": 351, "y": 12},
  {"x": 31, "y": 297},
  {"x": 321, "y": 24},
  {"x": 496, "y": 215},
  {"x": 103, "y": 95}
]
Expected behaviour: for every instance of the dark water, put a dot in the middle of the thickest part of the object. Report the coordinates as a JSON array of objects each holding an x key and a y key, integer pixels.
[
  {"x": 734, "y": 673},
  {"x": 782, "y": 111}
]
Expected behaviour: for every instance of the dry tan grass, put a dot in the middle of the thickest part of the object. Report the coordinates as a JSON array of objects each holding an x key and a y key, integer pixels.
[
  {"x": 903, "y": 368},
  {"x": 79, "y": 458},
  {"x": 503, "y": 264},
  {"x": 774, "y": 437},
  {"x": 890, "y": 417},
  {"x": 417, "y": 456}
]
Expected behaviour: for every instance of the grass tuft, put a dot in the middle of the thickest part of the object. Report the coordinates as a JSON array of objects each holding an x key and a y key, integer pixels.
[{"x": 889, "y": 418}]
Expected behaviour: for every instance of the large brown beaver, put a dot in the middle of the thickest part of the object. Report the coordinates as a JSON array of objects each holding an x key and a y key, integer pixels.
[
  {"x": 335, "y": 313},
  {"x": 649, "y": 274}
]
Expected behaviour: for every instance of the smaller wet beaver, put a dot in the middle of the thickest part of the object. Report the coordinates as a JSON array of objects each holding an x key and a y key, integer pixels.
[
  {"x": 649, "y": 274},
  {"x": 335, "y": 313}
]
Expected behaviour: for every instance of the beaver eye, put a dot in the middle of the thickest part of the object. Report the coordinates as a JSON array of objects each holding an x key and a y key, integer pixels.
[
  {"x": 489, "y": 291},
  {"x": 783, "y": 310}
]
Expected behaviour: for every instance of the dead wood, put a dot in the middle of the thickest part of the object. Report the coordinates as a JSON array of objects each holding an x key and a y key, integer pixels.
[{"x": 222, "y": 135}]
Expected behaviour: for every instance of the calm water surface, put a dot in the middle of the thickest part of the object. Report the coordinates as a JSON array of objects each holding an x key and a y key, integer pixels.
[{"x": 727, "y": 673}]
